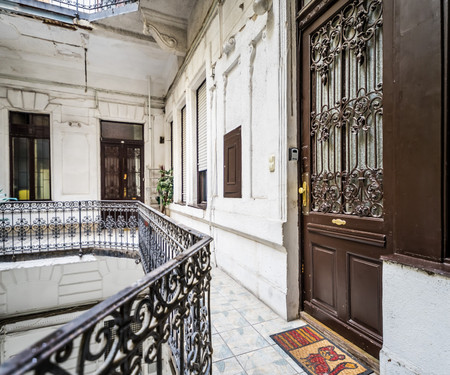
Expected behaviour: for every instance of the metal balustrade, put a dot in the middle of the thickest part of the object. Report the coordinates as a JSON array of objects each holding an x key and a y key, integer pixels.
[
  {"x": 50, "y": 227},
  {"x": 90, "y": 10},
  {"x": 126, "y": 332}
]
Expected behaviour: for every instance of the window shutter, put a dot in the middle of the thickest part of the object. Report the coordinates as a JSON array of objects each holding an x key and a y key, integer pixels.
[
  {"x": 232, "y": 164},
  {"x": 202, "y": 127},
  {"x": 183, "y": 154}
]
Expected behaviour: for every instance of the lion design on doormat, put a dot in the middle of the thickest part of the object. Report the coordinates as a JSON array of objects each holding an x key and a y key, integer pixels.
[{"x": 318, "y": 362}]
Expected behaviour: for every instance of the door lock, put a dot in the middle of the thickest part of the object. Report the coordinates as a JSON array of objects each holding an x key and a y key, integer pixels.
[{"x": 304, "y": 192}]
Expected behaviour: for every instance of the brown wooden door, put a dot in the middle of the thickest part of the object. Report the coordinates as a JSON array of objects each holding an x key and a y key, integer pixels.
[
  {"x": 122, "y": 171},
  {"x": 343, "y": 231}
]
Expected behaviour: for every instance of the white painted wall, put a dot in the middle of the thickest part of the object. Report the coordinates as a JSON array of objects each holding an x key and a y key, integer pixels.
[
  {"x": 42, "y": 70},
  {"x": 416, "y": 322},
  {"x": 247, "y": 87},
  {"x": 46, "y": 284}
]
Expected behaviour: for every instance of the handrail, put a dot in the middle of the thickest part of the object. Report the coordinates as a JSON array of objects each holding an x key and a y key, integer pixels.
[
  {"x": 169, "y": 304},
  {"x": 52, "y": 226}
]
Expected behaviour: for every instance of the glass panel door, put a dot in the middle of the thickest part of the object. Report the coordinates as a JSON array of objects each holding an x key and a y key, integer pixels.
[
  {"x": 133, "y": 176},
  {"x": 122, "y": 171},
  {"x": 111, "y": 172},
  {"x": 346, "y": 60}
]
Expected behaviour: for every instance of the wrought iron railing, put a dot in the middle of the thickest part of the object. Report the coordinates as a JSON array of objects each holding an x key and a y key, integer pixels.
[
  {"x": 83, "y": 9},
  {"x": 127, "y": 331},
  {"x": 47, "y": 227},
  {"x": 88, "y": 6}
]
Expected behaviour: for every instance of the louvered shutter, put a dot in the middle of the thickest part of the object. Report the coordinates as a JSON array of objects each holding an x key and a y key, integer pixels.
[
  {"x": 183, "y": 154},
  {"x": 201, "y": 128}
]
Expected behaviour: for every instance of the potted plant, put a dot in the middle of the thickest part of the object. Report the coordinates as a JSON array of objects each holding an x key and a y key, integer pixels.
[{"x": 165, "y": 189}]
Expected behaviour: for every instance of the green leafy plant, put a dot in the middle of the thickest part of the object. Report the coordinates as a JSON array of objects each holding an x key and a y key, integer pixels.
[{"x": 165, "y": 189}]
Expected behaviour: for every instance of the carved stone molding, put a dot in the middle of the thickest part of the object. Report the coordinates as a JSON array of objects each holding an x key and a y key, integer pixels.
[
  {"x": 261, "y": 6},
  {"x": 167, "y": 36},
  {"x": 164, "y": 41},
  {"x": 229, "y": 45}
]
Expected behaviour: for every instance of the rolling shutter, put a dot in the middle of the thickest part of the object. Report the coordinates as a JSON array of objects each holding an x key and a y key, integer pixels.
[
  {"x": 201, "y": 128},
  {"x": 183, "y": 154}
]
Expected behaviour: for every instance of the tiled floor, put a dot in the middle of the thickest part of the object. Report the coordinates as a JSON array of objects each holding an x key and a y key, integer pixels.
[{"x": 241, "y": 327}]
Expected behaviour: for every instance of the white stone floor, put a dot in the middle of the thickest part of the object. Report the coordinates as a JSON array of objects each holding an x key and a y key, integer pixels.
[{"x": 241, "y": 328}]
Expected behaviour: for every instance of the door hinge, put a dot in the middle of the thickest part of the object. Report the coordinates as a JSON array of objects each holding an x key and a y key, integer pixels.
[{"x": 303, "y": 268}]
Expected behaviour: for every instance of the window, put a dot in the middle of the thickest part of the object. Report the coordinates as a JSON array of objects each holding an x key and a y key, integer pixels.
[
  {"x": 202, "y": 129},
  {"x": 122, "y": 160},
  {"x": 183, "y": 154},
  {"x": 30, "y": 156},
  {"x": 232, "y": 164}
]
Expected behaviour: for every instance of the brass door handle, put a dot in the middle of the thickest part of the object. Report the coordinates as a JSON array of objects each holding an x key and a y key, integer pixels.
[
  {"x": 338, "y": 222},
  {"x": 303, "y": 190}
]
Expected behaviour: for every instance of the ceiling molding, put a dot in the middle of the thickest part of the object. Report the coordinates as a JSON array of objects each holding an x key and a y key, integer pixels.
[
  {"x": 168, "y": 38},
  {"x": 166, "y": 19}
]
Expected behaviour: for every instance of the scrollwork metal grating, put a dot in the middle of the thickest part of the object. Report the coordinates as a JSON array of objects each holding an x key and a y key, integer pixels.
[
  {"x": 169, "y": 305},
  {"x": 40, "y": 227},
  {"x": 346, "y": 111}
]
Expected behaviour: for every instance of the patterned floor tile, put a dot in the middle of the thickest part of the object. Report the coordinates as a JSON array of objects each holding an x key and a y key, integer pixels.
[
  {"x": 228, "y": 320},
  {"x": 220, "y": 304},
  {"x": 265, "y": 361},
  {"x": 289, "y": 360},
  {"x": 245, "y": 300},
  {"x": 228, "y": 367},
  {"x": 243, "y": 340},
  {"x": 221, "y": 350},
  {"x": 241, "y": 327},
  {"x": 258, "y": 314}
]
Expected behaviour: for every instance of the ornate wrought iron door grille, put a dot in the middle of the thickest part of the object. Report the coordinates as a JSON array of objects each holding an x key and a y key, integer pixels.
[{"x": 346, "y": 111}]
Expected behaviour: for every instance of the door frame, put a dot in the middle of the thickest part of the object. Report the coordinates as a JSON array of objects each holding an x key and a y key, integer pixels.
[
  {"x": 122, "y": 147},
  {"x": 304, "y": 18}
]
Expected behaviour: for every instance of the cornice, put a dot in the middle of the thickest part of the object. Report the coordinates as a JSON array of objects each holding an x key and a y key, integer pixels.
[{"x": 166, "y": 19}]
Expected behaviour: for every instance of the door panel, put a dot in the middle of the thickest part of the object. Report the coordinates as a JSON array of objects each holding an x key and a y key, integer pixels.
[
  {"x": 133, "y": 172},
  {"x": 364, "y": 280},
  {"x": 324, "y": 277},
  {"x": 122, "y": 171},
  {"x": 343, "y": 231},
  {"x": 111, "y": 172}
]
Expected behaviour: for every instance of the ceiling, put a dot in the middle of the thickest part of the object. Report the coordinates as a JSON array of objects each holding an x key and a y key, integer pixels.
[{"x": 123, "y": 51}]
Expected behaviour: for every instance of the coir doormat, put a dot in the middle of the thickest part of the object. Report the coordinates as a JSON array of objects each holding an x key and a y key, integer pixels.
[{"x": 316, "y": 354}]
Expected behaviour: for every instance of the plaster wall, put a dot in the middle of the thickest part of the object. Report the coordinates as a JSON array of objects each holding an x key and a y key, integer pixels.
[
  {"x": 244, "y": 59},
  {"x": 79, "y": 78},
  {"x": 42, "y": 285},
  {"x": 415, "y": 322}
]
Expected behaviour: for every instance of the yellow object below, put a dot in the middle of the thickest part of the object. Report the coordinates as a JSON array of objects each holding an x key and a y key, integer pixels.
[{"x": 24, "y": 195}]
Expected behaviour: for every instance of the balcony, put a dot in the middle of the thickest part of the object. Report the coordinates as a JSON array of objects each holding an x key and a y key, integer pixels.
[
  {"x": 167, "y": 308},
  {"x": 196, "y": 316},
  {"x": 89, "y": 10}
]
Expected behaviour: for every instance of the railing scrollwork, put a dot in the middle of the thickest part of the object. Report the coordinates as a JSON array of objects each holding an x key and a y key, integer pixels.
[{"x": 170, "y": 304}]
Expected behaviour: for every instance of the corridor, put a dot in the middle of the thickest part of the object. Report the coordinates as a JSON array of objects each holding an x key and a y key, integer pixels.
[{"x": 241, "y": 328}]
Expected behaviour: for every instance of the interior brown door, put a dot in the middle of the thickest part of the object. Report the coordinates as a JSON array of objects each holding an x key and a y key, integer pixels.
[
  {"x": 343, "y": 231},
  {"x": 122, "y": 171}
]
